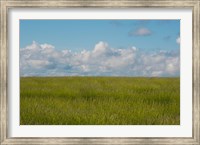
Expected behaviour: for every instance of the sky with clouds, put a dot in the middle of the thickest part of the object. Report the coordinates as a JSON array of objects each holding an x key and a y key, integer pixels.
[{"x": 147, "y": 48}]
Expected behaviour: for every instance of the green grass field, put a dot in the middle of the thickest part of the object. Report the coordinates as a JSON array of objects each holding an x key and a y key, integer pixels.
[{"x": 99, "y": 101}]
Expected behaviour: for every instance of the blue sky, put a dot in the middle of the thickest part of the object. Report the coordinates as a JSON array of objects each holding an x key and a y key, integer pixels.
[
  {"x": 80, "y": 38},
  {"x": 84, "y": 34}
]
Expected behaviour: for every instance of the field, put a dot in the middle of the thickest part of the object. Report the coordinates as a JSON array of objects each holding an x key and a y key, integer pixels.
[{"x": 99, "y": 101}]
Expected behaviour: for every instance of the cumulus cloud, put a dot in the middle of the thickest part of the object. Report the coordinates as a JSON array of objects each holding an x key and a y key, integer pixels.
[
  {"x": 44, "y": 60},
  {"x": 178, "y": 40},
  {"x": 140, "y": 32}
]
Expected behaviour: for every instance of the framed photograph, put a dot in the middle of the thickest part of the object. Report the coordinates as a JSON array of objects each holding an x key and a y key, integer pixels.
[{"x": 100, "y": 72}]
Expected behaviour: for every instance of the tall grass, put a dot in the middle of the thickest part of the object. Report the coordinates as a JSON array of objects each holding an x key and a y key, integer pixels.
[{"x": 99, "y": 101}]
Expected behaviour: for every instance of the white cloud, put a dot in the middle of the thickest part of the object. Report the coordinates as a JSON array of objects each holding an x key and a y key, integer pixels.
[
  {"x": 44, "y": 60},
  {"x": 100, "y": 48},
  {"x": 156, "y": 73},
  {"x": 141, "y": 32},
  {"x": 178, "y": 40}
]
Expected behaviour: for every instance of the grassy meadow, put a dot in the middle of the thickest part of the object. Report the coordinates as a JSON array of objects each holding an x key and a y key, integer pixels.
[{"x": 99, "y": 101}]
